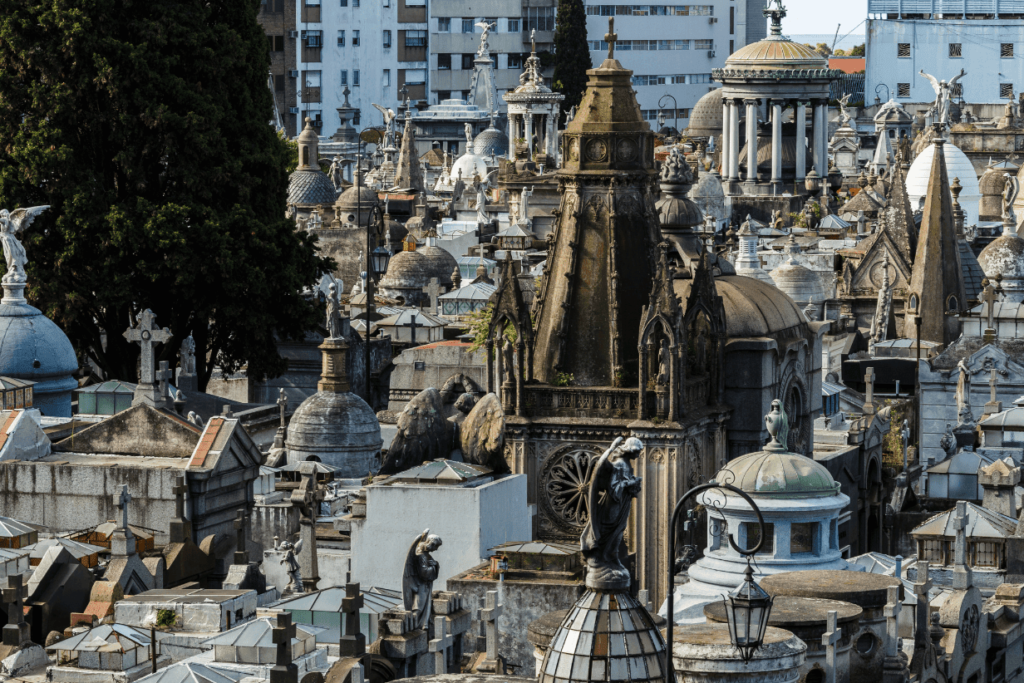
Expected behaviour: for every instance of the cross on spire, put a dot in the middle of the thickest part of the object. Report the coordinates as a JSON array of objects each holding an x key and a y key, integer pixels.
[
  {"x": 147, "y": 335},
  {"x": 121, "y": 502},
  {"x": 989, "y": 297},
  {"x": 611, "y": 37}
]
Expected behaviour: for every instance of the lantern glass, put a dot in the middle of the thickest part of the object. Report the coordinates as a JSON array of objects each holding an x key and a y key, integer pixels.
[
  {"x": 379, "y": 260},
  {"x": 747, "y": 611}
]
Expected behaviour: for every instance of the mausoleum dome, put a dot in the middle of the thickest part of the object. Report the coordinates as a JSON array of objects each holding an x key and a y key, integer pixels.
[
  {"x": 957, "y": 166},
  {"x": 775, "y": 53},
  {"x": 1004, "y": 258},
  {"x": 893, "y": 113},
  {"x": 779, "y": 474},
  {"x": 33, "y": 348},
  {"x": 471, "y": 165},
  {"x": 706, "y": 117},
  {"x": 491, "y": 142},
  {"x": 752, "y": 308},
  {"x": 337, "y": 429}
]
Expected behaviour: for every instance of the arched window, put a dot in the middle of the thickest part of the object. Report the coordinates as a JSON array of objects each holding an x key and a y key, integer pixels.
[
  {"x": 913, "y": 302},
  {"x": 305, "y": 156}
]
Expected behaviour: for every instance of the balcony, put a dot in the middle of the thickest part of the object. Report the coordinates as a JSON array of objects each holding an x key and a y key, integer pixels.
[{"x": 543, "y": 400}]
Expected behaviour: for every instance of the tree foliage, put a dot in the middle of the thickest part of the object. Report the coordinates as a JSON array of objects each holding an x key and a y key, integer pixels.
[
  {"x": 144, "y": 124},
  {"x": 572, "y": 53},
  {"x": 857, "y": 50}
]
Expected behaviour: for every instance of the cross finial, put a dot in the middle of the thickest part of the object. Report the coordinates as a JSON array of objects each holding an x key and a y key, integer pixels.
[
  {"x": 122, "y": 504},
  {"x": 533, "y": 41},
  {"x": 282, "y": 402},
  {"x": 611, "y": 37}
]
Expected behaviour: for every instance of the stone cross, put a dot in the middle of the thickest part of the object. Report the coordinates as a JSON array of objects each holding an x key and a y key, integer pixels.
[
  {"x": 179, "y": 531},
  {"x": 241, "y": 555},
  {"x": 284, "y": 669},
  {"x": 121, "y": 503},
  {"x": 353, "y": 643},
  {"x": 412, "y": 327},
  {"x": 921, "y": 587},
  {"x": 16, "y": 630},
  {"x": 489, "y": 614},
  {"x": 163, "y": 375},
  {"x": 829, "y": 639},
  {"x": 892, "y": 620},
  {"x": 434, "y": 290},
  {"x": 146, "y": 335},
  {"x": 282, "y": 403},
  {"x": 989, "y": 298},
  {"x": 439, "y": 646},
  {"x": 611, "y": 37},
  {"x": 869, "y": 391},
  {"x": 993, "y": 406},
  {"x": 961, "y": 573}
]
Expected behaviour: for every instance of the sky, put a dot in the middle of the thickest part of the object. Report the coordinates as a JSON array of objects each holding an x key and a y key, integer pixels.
[{"x": 806, "y": 16}]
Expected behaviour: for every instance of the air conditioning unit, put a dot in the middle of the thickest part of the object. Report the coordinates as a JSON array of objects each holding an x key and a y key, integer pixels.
[
  {"x": 293, "y": 110},
  {"x": 293, "y": 73},
  {"x": 711, "y": 53},
  {"x": 293, "y": 34},
  {"x": 712, "y": 20}
]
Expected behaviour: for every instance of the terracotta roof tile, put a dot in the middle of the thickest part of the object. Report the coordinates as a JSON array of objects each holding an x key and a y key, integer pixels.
[{"x": 206, "y": 442}]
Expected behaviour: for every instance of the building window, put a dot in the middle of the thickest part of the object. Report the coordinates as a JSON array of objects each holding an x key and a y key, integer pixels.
[
  {"x": 355, "y": 3},
  {"x": 415, "y": 38},
  {"x": 355, "y": 38},
  {"x": 1006, "y": 91},
  {"x": 932, "y": 550},
  {"x": 515, "y": 61},
  {"x": 467, "y": 24},
  {"x": 492, "y": 20},
  {"x": 444, "y": 62},
  {"x": 341, "y": 39},
  {"x": 513, "y": 26},
  {"x": 443, "y": 95},
  {"x": 703, "y": 45},
  {"x": 732, "y": 20},
  {"x": 386, "y": 78},
  {"x": 754, "y": 533},
  {"x": 415, "y": 76},
  {"x": 467, "y": 61},
  {"x": 387, "y": 38},
  {"x": 276, "y": 43},
  {"x": 902, "y": 90},
  {"x": 279, "y": 82},
  {"x": 1006, "y": 50},
  {"x": 343, "y": 3},
  {"x": 956, "y": 50},
  {"x": 344, "y": 77},
  {"x": 444, "y": 24},
  {"x": 313, "y": 38},
  {"x": 801, "y": 537},
  {"x": 903, "y": 50},
  {"x": 986, "y": 554},
  {"x": 540, "y": 18}
]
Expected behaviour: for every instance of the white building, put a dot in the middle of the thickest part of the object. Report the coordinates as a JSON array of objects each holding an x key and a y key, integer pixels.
[
  {"x": 374, "y": 47},
  {"x": 672, "y": 49},
  {"x": 905, "y": 37}
]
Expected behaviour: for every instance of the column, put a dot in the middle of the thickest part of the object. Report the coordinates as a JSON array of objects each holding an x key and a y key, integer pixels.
[
  {"x": 724, "y": 152},
  {"x": 822, "y": 165},
  {"x": 529, "y": 135},
  {"x": 776, "y": 141},
  {"x": 734, "y": 140},
  {"x": 511, "y": 138},
  {"x": 801, "y": 140},
  {"x": 816, "y": 136},
  {"x": 751, "y": 140}
]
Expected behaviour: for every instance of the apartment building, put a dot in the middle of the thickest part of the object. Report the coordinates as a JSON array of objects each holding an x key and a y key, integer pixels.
[
  {"x": 455, "y": 38},
  {"x": 672, "y": 49},
  {"x": 321, "y": 47},
  {"x": 985, "y": 38}
]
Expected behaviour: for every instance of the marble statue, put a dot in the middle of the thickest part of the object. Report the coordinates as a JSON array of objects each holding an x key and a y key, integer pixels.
[
  {"x": 480, "y": 186},
  {"x": 948, "y": 442},
  {"x": 570, "y": 115},
  {"x": 777, "y": 424},
  {"x": 12, "y": 223},
  {"x": 612, "y": 488},
  {"x": 389, "y": 124},
  {"x": 943, "y": 94},
  {"x": 292, "y": 564},
  {"x": 187, "y": 354},
  {"x": 963, "y": 394},
  {"x": 903, "y": 148},
  {"x": 844, "y": 117},
  {"x": 879, "y": 323},
  {"x": 333, "y": 313},
  {"x": 663, "y": 359},
  {"x": 483, "y": 50},
  {"x": 468, "y": 129},
  {"x": 418, "y": 578},
  {"x": 509, "y": 359},
  {"x": 905, "y": 437},
  {"x": 524, "y": 201},
  {"x": 335, "y": 173},
  {"x": 1010, "y": 191}
]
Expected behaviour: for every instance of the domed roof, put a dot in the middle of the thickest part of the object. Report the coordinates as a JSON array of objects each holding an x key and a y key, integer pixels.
[
  {"x": 780, "y": 474},
  {"x": 993, "y": 182},
  {"x": 310, "y": 188},
  {"x": 413, "y": 269},
  {"x": 338, "y": 429},
  {"x": 752, "y": 308},
  {"x": 605, "y": 637},
  {"x": 1003, "y": 256},
  {"x": 800, "y": 283},
  {"x": 441, "y": 262},
  {"x": 775, "y": 53},
  {"x": 892, "y": 112},
  {"x": 678, "y": 211},
  {"x": 33, "y": 348},
  {"x": 706, "y": 116},
  {"x": 490, "y": 142},
  {"x": 708, "y": 185},
  {"x": 355, "y": 195},
  {"x": 471, "y": 165},
  {"x": 957, "y": 166}
]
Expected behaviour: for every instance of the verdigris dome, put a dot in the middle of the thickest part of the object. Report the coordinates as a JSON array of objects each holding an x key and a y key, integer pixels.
[
  {"x": 33, "y": 348},
  {"x": 780, "y": 474},
  {"x": 337, "y": 429},
  {"x": 490, "y": 142},
  {"x": 706, "y": 117}
]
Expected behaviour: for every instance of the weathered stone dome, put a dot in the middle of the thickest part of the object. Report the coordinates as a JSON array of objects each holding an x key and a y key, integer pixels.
[
  {"x": 33, "y": 348},
  {"x": 410, "y": 271},
  {"x": 351, "y": 198},
  {"x": 490, "y": 142},
  {"x": 799, "y": 282},
  {"x": 337, "y": 429},
  {"x": 1004, "y": 257},
  {"x": 706, "y": 116},
  {"x": 778, "y": 474},
  {"x": 752, "y": 308},
  {"x": 892, "y": 113}
]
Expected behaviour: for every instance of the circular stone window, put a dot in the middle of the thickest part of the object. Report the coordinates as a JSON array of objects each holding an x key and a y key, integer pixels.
[
  {"x": 565, "y": 488},
  {"x": 865, "y": 643}
]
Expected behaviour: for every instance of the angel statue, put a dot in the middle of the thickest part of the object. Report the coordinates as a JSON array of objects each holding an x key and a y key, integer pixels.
[
  {"x": 333, "y": 313},
  {"x": 12, "y": 223},
  {"x": 612, "y": 488},
  {"x": 482, "y": 52},
  {"x": 480, "y": 187},
  {"x": 293, "y": 569},
  {"x": 963, "y": 395},
  {"x": 469, "y": 137},
  {"x": 844, "y": 118},
  {"x": 419, "y": 575},
  {"x": 389, "y": 124},
  {"x": 943, "y": 93},
  {"x": 1010, "y": 191}
]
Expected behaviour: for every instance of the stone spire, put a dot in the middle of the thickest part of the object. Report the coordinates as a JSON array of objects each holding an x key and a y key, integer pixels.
[
  {"x": 309, "y": 148},
  {"x": 409, "y": 175},
  {"x": 601, "y": 261},
  {"x": 937, "y": 282},
  {"x": 897, "y": 217}
]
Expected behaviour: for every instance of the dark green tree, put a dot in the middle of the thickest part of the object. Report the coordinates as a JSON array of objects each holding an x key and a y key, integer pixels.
[
  {"x": 857, "y": 51},
  {"x": 144, "y": 124},
  {"x": 572, "y": 53}
]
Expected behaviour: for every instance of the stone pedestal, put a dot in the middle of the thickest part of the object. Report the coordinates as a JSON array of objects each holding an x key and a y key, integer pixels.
[{"x": 703, "y": 653}]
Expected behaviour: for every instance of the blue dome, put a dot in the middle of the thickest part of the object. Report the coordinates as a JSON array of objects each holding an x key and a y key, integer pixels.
[{"x": 33, "y": 348}]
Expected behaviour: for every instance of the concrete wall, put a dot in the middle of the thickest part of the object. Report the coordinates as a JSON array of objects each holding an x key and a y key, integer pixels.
[
  {"x": 439, "y": 364},
  {"x": 470, "y": 521}
]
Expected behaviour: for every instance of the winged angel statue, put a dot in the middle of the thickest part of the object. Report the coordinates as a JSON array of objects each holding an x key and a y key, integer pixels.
[
  {"x": 389, "y": 124},
  {"x": 943, "y": 94},
  {"x": 11, "y": 223}
]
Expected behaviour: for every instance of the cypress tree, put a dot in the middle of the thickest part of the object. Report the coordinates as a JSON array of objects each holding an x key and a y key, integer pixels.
[
  {"x": 144, "y": 125},
  {"x": 572, "y": 53}
]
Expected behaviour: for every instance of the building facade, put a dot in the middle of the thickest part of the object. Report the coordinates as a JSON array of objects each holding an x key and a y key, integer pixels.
[
  {"x": 672, "y": 49},
  {"x": 984, "y": 38}
]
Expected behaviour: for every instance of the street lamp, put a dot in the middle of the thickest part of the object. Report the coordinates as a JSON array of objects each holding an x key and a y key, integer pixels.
[
  {"x": 676, "y": 110},
  {"x": 747, "y": 607},
  {"x": 877, "y": 88}
]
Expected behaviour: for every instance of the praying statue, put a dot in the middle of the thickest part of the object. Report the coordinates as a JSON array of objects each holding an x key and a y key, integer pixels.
[
  {"x": 421, "y": 571},
  {"x": 612, "y": 488},
  {"x": 663, "y": 359},
  {"x": 12, "y": 223},
  {"x": 333, "y": 313},
  {"x": 187, "y": 354},
  {"x": 963, "y": 395}
]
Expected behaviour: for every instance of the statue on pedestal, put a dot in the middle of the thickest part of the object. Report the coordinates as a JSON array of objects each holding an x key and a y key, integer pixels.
[
  {"x": 421, "y": 571},
  {"x": 12, "y": 223}
]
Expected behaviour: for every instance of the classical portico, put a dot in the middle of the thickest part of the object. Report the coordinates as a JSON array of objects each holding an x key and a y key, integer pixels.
[{"x": 765, "y": 86}]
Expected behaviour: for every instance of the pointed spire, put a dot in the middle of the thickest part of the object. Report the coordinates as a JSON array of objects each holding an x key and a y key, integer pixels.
[
  {"x": 409, "y": 175},
  {"x": 937, "y": 281}
]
